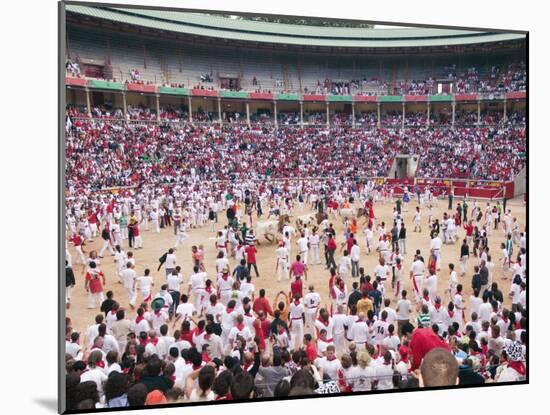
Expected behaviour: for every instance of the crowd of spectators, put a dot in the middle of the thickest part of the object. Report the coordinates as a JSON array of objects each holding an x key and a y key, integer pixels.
[
  {"x": 73, "y": 68},
  {"x": 104, "y": 152}
]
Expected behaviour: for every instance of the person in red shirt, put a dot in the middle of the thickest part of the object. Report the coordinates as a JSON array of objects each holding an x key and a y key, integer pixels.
[
  {"x": 250, "y": 251},
  {"x": 186, "y": 332},
  {"x": 469, "y": 232},
  {"x": 297, "y": 287},
  {"x": 331, "y": 248},
  {"x": 262, "y": 304},
  {"x": 78, "y": 243},
  {"x": 311, "y": 349},
  {"x": 259, "y": 332},
  {"x": 265, "y": 324},
  {"x": 421, "y": 341},
  {"x": 93, "y": 285}
]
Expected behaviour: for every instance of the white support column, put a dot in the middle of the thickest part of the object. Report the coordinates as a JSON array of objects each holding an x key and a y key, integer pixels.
[
  {"x": 428, "y": 120},
  {"x": 454, "y": 111},
  {"x": 158, "y": 107},
  {"x": 220, "y": 110},
  {"x": 125, "y": 107},
  {"x": 353, "y": 114},
  {"x": 505, "y": 115},
  {"x": 248, "y": 114},
  {"x": 302, "y": 114},
  {"x": 328, "y": 115},
  {"x": 275, "y": 113},
  {"x": 478, "y": 113},
  {"x": 190, "y": 108},
  {"x": 88, "y": 102},
  {"x": 403, "y": 119},
  {"x": 378, "y": 115}
]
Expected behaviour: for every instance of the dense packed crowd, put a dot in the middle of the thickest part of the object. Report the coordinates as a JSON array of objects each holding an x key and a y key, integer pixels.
[
  {"x": 103, "y": 153},
  {"x": 220, "y": 338}
]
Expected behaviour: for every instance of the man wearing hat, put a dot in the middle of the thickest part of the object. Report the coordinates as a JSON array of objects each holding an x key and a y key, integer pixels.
[
  {"x": 515, "y": 369},
  {"x": 159, "y": 315},
  {"x": 225, "y": 286}
]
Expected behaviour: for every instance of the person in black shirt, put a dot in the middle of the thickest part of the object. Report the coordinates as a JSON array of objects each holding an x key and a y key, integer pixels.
[
  {"x": 277, "y": 322},
  {"x": 476, "y": 279},
  {"x": 495, "y": 294},
  {"x": 484, "y": 276},
  {"x": 402, "y": 239},
  {"x": 394, "y": 236},
  {"x": 69, "y": 283},
  {"x": 216, "y": 328},
  {"x": 230, "y": 213},
  {"x": 459, "y": 211},
  {"x": 107, "y": 305},
  {"x": 355, "y": 295},
  {"x": 467, "y": 375},
  {"x": 464, "y": 255},
  {"x": 435, "y": 229},
  {"x": 152, "y": 377}
]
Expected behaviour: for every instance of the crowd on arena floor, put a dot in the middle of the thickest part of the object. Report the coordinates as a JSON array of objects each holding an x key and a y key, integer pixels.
[{"x": 217, "y": 340}]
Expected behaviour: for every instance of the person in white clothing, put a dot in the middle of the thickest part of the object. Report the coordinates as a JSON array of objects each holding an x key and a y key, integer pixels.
[
  {"x": 312, "y": 301},
  {"x": 417, "y": 220},
  {"x": 379, "y": 330},
  {"x": 417, "y": 276},
  {"x": 363, "y": 375},
  {"x": 435, "y": 248},
  {"x": 430, "y": 283},
  {"x": 340, "y": 321},
  {"x": 330, "y": 364},
  {"x": 282, "y": 261},
  {"x": 360, "y": 333},
  {"x": 154, "y": 217},
  {"x": 181, "y": 236},
  {"x": 303, "y": 247},
  {"x": 128, "y": 277},
  {"x": 314, "y": 247},
  {"x": 196, "y": 285},
  {"x": 296, "y": 324},
  {"x": 344, "y": 266},
  {"x": 355, "y": 253},
  {"x": 145, "y": 282},
  {"x": 384, "y": 372}
]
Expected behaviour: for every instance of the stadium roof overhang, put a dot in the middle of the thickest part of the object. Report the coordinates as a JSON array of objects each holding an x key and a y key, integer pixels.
[{"x": 276, "y": 34}]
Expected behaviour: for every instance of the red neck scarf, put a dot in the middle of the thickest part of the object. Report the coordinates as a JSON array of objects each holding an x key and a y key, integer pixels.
[
  {"x": 229, "y": 310},
  {"x": 240, "y": 326},
  {"x": 518, "y": 367},
  {"x": 297, "y": 302},
  {"x": 451, "y": 313},
  {"x": 325, "y": 323},
  {"x": 331, "y": 358},
  {"x": 154, "y": 341},
  {"x": 427, "y": 298},
  {"x": 437, "y": 306},
  {"x": 139, "y": 318}
]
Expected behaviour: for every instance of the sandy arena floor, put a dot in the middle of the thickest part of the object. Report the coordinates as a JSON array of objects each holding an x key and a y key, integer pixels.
[{"x": 156, "y": 244}]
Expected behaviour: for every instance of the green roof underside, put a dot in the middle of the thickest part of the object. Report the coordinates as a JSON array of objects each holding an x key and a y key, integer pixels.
[{"x": 302, "y": 35}]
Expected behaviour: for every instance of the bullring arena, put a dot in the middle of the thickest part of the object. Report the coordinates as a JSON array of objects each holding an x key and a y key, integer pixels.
[{"x": 225, "y": 134}]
